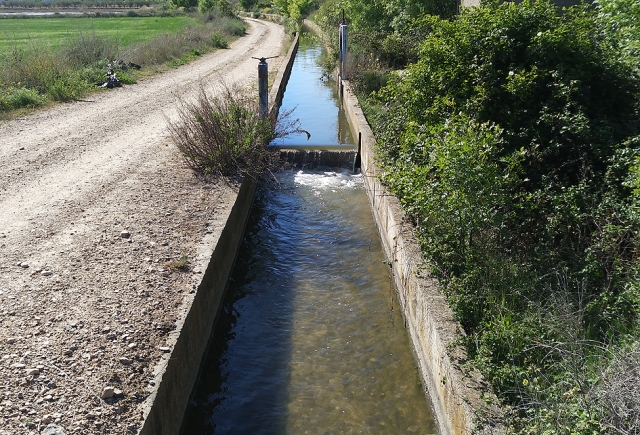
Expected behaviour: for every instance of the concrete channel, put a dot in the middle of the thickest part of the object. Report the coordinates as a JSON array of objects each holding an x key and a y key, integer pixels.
[
  {"x": 177, "y": 372},
  {"x": 460, "y": 397}
]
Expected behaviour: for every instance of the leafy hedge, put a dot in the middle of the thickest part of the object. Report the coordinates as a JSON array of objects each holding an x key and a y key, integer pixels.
[{"x": 513, "y": 143}]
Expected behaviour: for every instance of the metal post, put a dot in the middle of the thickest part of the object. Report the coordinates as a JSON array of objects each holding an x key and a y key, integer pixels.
[
  {"x": 357, "y": 162},
  {"x": 343, "y": 50},
  {"x": 263, "y": 84}
]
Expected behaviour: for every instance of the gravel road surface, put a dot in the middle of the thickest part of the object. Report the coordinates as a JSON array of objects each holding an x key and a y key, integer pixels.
[{"x": 96, "y": 211}]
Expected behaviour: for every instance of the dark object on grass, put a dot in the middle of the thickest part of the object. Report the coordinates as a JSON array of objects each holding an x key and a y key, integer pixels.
[{"x": 112, "y": 81}]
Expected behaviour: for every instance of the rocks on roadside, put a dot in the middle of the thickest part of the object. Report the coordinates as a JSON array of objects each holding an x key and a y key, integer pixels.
[
  {"x": 33, "y": 372},
  {"x": 108, "y": 393},
  {"x": 53, "y": 429}
]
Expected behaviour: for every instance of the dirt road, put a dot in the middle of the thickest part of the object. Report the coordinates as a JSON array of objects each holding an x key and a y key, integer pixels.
[{"x": 96, "y": 211}]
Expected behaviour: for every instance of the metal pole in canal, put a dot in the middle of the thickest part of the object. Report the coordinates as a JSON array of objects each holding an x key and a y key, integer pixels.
[
  {"x": 263, "y": 85},
  {"x": 343, "y": 51}
]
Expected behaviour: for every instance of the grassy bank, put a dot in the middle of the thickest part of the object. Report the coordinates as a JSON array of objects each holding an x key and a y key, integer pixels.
[
  {"x": 61, "y": 59},
  {"x": 29, "y": 35}
]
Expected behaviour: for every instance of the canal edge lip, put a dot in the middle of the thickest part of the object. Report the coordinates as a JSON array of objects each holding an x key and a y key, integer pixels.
[
  {"x": 458, "y": 395},
  {"x": 168, "y": 398}
]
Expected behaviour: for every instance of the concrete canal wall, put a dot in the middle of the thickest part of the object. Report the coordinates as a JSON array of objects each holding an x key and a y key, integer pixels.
[
  {"x": 458, "y": 395},
  {"x": 177, "y": 373}
]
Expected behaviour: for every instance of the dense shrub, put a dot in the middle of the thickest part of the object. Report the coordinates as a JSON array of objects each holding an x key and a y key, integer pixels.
[
  {"x": 513, "y": 144},
  {"x": 225, "y": 135},
  {"x": 16, "y": 98},
  {"x": 382, "y": 35},
  {"x": 620, "y": 18}
]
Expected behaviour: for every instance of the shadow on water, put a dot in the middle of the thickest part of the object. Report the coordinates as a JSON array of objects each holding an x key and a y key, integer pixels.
[{"x": 242, "y": 388}]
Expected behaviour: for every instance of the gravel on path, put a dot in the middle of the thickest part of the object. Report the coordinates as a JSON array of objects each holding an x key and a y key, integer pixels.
[{"x": 101, "y": 223}]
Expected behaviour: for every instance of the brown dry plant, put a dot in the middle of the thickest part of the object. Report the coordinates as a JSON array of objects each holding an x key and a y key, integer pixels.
[{"x": 225, "y": 136}]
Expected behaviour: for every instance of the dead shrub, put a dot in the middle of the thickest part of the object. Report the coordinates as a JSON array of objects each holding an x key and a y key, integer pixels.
[
  {"x": 618, "y": 393},
  {"x": 224, "y": 135}
]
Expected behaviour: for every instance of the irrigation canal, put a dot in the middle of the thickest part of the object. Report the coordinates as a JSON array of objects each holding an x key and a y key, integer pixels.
[{"x": 309, "y": 339}]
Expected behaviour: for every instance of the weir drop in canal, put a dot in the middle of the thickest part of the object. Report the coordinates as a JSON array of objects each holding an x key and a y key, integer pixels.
[{"x": 310, "y": 339}]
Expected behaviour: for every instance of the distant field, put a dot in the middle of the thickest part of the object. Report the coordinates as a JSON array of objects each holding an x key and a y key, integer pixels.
[{"x": 51, "y": 33}]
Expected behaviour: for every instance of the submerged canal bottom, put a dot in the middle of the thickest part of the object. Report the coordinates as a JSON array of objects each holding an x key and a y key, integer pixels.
[{"x": 310, "y": 339}]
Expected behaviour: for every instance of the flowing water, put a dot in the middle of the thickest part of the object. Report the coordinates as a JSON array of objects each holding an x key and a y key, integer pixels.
[
  {"x": 310, "y": 339},
  {"x": 313, "y": 97}
]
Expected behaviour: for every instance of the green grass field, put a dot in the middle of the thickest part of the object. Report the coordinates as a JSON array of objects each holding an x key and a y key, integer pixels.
[{"x": 51, "y": 33}]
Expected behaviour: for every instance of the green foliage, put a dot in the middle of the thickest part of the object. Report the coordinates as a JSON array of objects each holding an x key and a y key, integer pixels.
[
  {"x": 295, "y": 9},
  {"x": 382, "y": 35},
  {"x": 232, "y": 27},
  {"x": 224, "y": 7},
  {"x": 247, "y": 4},
  {"x": 513, "y": 143},
  {"x": 219, "y": 41},
  {"x": 206, "y": 5},
  {"x": 67, "y": 87},
  {"x": 184, "y": 3},
  {"x": 17, "y": 98},
  {"x": 620, "y": 18},
  {"x": 221, "y": 136},
  {"x": 225, "y": 135},
  {"x": 383, "y": 17},
  {"x": 29, "y": 74}
]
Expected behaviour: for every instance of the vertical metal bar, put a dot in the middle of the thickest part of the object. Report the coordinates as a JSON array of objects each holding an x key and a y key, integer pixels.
[
  {"x": 357, "y": 162},
  {"x": 344, "y": 34},
  {"x": 340, "y": 61},
  {"x": 263, "y": 84}
]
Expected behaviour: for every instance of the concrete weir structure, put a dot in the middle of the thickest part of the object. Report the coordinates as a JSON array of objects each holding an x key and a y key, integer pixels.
[
  {"x": 462, "y": 401},
  {"x": 177, "y": 372}
]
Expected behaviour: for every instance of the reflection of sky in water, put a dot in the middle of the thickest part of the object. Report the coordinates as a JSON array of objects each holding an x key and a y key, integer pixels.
[{"x": 315, "y": 100}]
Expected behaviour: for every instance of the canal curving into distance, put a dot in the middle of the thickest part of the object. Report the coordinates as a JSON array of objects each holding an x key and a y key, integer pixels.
[{"x": 309, "y": 339}]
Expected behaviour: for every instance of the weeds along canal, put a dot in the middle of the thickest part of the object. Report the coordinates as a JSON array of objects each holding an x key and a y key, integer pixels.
[{"x": 310, "y": 339}]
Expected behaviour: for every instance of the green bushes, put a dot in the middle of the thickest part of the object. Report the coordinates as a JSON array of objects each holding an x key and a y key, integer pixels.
[
  {"x": 16, "y": 98},
  {"x": 513, "y": 143},
  {"x": 232, "y": 27},
  {"x": 218, "y": 41},
  {"x": 222, "y": 136}
]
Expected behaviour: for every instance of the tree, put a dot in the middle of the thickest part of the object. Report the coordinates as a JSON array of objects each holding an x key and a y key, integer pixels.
[
  {"x": 206, "y": 5},
  {"x": 184, "y": 3},
  {"x": 622, "y": 18}
]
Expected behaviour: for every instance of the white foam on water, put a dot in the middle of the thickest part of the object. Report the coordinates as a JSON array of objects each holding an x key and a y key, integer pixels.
[{"x": 327, "y": 180}]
